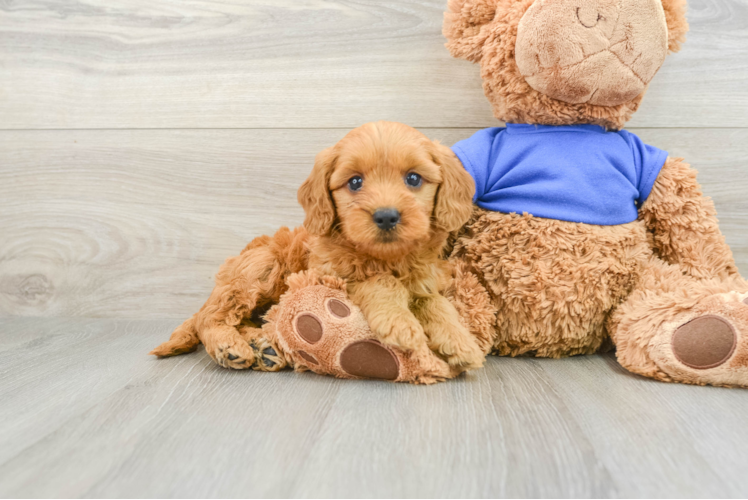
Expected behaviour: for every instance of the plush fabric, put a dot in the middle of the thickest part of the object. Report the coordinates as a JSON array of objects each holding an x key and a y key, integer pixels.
[
  {"x": 575, "y": 173},
  {"x": 485, "y": 32},
  {"x": 663, "y": 289},
  {"x": 600, "y": 52}
]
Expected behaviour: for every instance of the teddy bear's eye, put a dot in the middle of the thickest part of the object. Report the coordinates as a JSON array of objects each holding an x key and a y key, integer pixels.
[
  {"x": 355, "y": 183},
  {"x": 413, "y": 180}
]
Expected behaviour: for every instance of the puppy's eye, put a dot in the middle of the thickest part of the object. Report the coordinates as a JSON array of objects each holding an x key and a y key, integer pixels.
[
  {"x": 413, "y": 180},
  {"x": 355, "y": 183}
]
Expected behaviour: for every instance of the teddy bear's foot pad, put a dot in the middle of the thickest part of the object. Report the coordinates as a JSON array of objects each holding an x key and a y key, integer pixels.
[
  {"x": 365, "y": 358},
  {"x": 369, "y": 359},
  {"x": 706, "y": 345},
  {"x": 322, "y": 331},
  {"x": 309, "y": 328},
  {"x": 705, "y": 342}
]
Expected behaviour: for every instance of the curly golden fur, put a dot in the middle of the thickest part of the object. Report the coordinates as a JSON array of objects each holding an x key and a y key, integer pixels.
[{"x": 394, "y": 274}]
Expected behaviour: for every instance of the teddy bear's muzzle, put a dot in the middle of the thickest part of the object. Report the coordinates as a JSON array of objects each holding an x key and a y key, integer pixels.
[{"x": 600, "y": 52}]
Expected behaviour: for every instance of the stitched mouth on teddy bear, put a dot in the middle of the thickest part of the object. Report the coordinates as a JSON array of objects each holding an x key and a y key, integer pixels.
[{"x": 599, "y": 52}]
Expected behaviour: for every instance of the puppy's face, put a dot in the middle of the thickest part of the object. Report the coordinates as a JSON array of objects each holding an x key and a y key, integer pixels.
[
  {"x": 389, "y": 188},
  {"x": 384, "y": 188}
]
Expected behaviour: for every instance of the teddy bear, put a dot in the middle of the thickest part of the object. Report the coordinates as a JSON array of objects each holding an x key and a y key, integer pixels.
[{"x": 583, "y": 238}]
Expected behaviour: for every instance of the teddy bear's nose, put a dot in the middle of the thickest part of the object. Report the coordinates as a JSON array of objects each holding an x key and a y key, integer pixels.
[{"x": 589, "y": 16}]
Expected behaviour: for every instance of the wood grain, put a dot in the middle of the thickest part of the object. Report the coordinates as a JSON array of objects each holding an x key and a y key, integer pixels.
[
  {"x": 136, "y": 223},
  {"x": 99, "y": 418},
  {"x": 291, "y": 64}
]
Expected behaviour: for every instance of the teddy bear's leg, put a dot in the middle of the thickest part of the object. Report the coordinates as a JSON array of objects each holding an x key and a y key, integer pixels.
[
  {"x": 677, "y": 328},
  {"x": 316, "y": 327}
]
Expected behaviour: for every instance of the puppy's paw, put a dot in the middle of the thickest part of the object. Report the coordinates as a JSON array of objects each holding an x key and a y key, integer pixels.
[
  {"x": 463, "y": 353},
  {"x": 404, "y": 332},
  {"x": 455, "y": 343},
  {"x": 232, "y": 353}
]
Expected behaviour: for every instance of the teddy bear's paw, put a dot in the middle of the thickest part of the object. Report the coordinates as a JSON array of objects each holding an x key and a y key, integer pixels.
[
  {"x": 727, "y": 298},
  {"x": 742, "y": 297},
  {"x": 322, "y": 331},
  {"x": 331, "y": 336},
  {"x": 707, "y": 345}
]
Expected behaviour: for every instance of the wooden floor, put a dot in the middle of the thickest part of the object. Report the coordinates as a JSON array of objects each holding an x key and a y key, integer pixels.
[
  {"x": 143, "y": 142},
  {"x": 85, "y": 413}
]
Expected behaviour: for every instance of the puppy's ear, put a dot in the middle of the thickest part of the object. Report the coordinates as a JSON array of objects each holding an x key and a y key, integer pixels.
[
  {"x": 454, "y": 200},
  {"x": 314, "y": 195},
  {"x": 465, "y": 27}
]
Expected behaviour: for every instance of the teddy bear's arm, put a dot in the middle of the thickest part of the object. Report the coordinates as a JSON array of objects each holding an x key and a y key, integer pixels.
[{"x": 684, "y": 224}]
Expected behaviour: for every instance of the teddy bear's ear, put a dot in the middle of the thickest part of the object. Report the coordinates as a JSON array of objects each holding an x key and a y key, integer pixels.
[
  {"x": 465, "y": 26},
  {"x": 677, "y": 26}
]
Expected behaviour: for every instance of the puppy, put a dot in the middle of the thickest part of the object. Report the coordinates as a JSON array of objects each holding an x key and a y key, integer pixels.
[{"x": 379, "y": 207}]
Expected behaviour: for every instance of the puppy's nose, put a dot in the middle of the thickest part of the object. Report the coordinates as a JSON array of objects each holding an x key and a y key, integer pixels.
[{"x": 386, "y": 218}]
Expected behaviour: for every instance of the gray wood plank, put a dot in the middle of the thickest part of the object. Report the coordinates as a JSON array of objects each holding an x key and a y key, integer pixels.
[
  {"x": 135, "y": 223},
  {"x": 698, "y": 427},
  {"x": 99, "y": 418},
  {"x": 496, "y": 432},
  {"x": 284, "y": 64},
  {"x": 55, "y": 369}
]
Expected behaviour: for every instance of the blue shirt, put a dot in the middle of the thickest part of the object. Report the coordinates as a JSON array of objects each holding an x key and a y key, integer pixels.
[{"x": 576, "y": 173}]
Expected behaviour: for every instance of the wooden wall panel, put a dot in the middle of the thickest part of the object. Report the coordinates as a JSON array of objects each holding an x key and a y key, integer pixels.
[{"x": 290, "y": 64}]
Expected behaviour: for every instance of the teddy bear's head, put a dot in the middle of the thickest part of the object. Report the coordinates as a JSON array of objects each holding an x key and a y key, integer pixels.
[{"x": 559, "y": 62}]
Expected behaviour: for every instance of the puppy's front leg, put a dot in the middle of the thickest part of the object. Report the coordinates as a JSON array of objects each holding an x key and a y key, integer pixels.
[
  {"x": 446, "y": 335},
  {"x": 384, "y": 302}
]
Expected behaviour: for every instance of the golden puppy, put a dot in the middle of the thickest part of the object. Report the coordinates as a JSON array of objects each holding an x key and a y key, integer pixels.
[{"x": 379, "y": 207}]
